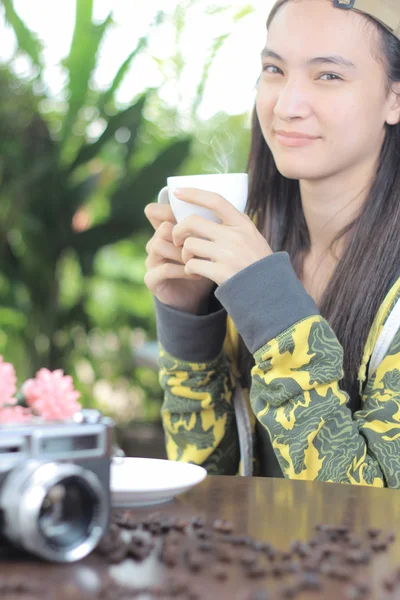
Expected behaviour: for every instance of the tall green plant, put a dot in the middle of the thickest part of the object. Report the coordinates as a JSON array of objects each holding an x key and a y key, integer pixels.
[{"x": 48, "y": 180}]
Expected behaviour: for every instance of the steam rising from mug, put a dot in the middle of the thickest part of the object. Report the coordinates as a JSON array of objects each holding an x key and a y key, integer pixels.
[
  {"x": 232, "y": 186},
  {"x": 218, "y": 151}
]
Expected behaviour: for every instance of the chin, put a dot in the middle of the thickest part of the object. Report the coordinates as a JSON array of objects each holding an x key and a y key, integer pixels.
[{"x": 293, "y": 170}]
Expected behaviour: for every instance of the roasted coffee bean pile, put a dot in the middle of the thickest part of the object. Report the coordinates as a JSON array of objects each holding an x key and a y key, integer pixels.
[
  {"x": 22, "y": 588},
  {"x": 334, "y": 553}
]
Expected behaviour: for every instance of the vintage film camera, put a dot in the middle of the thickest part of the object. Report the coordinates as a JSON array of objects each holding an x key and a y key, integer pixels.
[{"x": 55, "y": 486}]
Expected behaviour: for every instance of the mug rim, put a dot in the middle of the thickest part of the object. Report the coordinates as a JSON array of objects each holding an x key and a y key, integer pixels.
[{"x": 208, "y": 175}]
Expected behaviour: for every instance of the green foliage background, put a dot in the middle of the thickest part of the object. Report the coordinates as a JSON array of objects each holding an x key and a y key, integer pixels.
[{"x": 72, "y": 227}]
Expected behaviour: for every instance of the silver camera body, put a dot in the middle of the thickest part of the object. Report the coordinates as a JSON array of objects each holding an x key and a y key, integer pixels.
[{"x": 55, "y": 486}]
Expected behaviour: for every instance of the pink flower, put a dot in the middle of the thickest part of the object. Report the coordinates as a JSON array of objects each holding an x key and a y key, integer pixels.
[
  {"x": 15, "y": 414},
  {"x": 51, "y": 395},
  {"x": 8, "y": 383}
]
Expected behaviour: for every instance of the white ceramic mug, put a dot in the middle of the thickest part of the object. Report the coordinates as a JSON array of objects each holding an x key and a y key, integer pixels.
[{"x": 232, "y": 186}]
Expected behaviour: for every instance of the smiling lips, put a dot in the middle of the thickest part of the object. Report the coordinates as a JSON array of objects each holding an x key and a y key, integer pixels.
[{"x": 294, "y": 139}]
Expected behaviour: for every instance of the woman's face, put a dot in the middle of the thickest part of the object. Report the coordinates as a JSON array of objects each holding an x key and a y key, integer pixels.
[{"x": 320, "y": 78}]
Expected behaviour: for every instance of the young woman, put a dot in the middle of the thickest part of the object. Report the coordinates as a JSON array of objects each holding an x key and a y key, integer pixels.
[{"x": 308, "y": 276}]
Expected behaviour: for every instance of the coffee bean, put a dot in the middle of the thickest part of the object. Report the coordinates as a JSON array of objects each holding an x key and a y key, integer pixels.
[
  {"x": 342, "y": 573},
  {"x": 266, "y": 547},
  {"x": 379, "y": 546},
  {"x": 194, "y": 561},
  {"x": 289, "y": 591},
  {"x": 373, "y": 532},
  {"x": 277, "y": 571},
  {"x": 248, "y": 558},
  {"x": 169, "y": 556},
  {"x": 198, "y": 523},
  {"x": 272, "y": 554},
  {"x": 204, "y": 535},
  {"x": 391, "y": 536},
  {"x": 357, "y": 557},
  {"x": 310, "y": 581},
  {"x": 311, "y": 565},
  {"x": 239, "y": 540},
  {"x": 353, "y": 541},
  {"x": 180, "y": 525},
  {"x": 166, "y": 527},
  {"x": 302, "y": 549},
  {"x": 389, "y": 583},
  {"x": 256, "y": 571},
  {"x": 155, "y": 528},
  {"x": 139, "y": 551},
  {"x": 222, "y": 526},
  {"x": 286, "y": 556},
  {"x": 330, "y": 549},
  {"x": 118, "y": 554},
  {"x": 219, "y": 572},
  {"x": 224, "y": 554},
  {"x": 205, "y": 547}
]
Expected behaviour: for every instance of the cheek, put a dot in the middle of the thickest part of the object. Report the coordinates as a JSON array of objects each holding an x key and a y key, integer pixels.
[{"x": 265, "y": 103}]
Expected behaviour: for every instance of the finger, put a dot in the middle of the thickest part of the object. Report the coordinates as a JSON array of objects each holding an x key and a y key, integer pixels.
[
  {"x": 218, "y": 204},
  {"x": 195, "y": 247},
  {"x": 205, "y": 268},
  {"x": 157, "y": 213},
  {"x": 195, "y": 226},
  {"x": 160, "y": 250},
  {"x": 154, "y": 277},
  {"x": 165, "y": 231}
]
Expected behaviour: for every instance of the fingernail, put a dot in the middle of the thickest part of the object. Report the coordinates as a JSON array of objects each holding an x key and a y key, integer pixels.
[{"x": 178, "y": 192}]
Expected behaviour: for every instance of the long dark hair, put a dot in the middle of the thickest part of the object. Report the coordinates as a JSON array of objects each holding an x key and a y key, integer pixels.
[{"x": 372, "y": 241}]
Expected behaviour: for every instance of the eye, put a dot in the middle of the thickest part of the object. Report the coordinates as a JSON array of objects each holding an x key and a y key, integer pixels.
[
  {"x": 271, "y": 69},
  {"x": 331, "y": 77}
]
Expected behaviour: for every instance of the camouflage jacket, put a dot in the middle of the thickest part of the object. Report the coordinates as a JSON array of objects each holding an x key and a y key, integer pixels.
[{"x": 301, "y": 423}]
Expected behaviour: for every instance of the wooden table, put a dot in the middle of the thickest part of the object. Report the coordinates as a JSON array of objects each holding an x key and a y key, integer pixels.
[{"x": 274, "y": 510}]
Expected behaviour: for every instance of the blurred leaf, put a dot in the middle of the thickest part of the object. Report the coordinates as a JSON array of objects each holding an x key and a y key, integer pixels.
[
  {"x": 27, "y": 40},
  {"x": 128, "y": 202},
  {"x": 214, "y": 9},
  {"x": 86, "y": 243},
  {"x": 217, "y": 45},
  {"x": 130, "y": 118},
  {"x": 243, "y": 12},
  {"x": 108, "y": 94},
  {"x": 80, "y": 194},
  {"x": 75, "y": 316},
  {"x": 138, "y": 190},
  {"x": 141, "y": 45},
  {"x": 82, "y": 59},
  {"x": 10, "y": 317}
]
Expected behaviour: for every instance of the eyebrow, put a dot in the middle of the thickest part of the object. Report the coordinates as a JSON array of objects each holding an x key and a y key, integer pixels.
[{"x": 333, "y": 60}]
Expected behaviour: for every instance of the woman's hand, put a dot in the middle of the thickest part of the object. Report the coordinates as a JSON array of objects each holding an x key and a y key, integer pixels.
[
  {"x": 165, "y": 276},
  {"x": 217, "y": 251}
]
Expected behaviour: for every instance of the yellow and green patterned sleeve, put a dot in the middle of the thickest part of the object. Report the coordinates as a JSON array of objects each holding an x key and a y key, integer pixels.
[
  {"x": 295, "y": 392},
  {"x": 197, "y": 413},
  {"x": 195, "y": 374},
  {"x": 296, "y": 397}
]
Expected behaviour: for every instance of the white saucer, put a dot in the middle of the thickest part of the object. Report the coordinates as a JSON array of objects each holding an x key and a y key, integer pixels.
[{"x": 147, "y": 481}]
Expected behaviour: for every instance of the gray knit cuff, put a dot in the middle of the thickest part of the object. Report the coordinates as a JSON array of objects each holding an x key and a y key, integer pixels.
[
  {"x": 265, "y": 299},
  {"x": 188, "y": 337}
]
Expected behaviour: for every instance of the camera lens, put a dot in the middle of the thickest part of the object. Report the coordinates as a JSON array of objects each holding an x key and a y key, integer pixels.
[
  {"x": 58, "y": 511},
  {"x": 67, "y": 512}
]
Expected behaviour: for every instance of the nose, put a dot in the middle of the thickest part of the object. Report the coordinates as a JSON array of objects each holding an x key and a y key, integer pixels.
[{"x": 293, "y": 101}]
